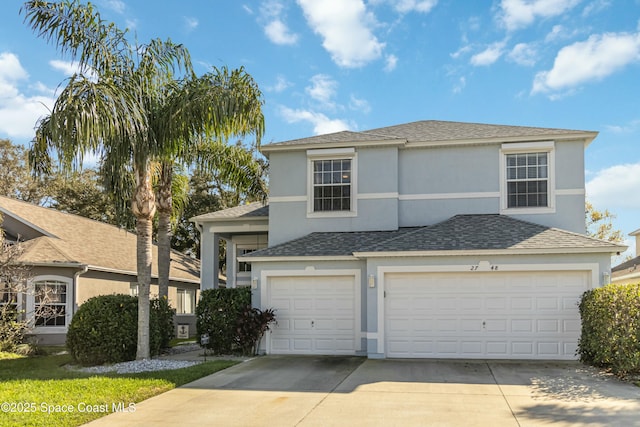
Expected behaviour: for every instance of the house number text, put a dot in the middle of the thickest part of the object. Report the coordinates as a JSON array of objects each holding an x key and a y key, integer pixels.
[{"x": 477, "y": 267}]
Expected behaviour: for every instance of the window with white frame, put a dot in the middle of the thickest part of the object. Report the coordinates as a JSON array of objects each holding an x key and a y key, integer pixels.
[
  {"x": 332, "y": 181},
  {"x": 51, "y": 298},
  {"x": 186, "y": 301},
  {"x": 527, "y": 179}
]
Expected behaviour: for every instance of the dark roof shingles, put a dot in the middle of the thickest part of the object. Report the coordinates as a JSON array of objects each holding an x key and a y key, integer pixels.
[{"x": 459, "y": 233}]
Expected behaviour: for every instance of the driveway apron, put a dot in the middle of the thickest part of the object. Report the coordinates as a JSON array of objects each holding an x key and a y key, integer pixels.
[{"x": 350, "y": 391}]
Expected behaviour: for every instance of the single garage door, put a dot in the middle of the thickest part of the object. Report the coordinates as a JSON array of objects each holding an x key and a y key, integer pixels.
[
  {"x": 315, "y": 315},
  {"x": 528, "y": 315}
]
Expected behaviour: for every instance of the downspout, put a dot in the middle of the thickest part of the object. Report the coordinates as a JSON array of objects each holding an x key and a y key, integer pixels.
[{"x": 83, "y": 269}]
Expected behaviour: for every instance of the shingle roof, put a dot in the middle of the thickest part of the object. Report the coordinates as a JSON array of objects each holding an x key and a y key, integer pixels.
[
  {"x": 433, "y": 131},
  {"x": 459, "y": 233},
  {"x": 329, "y": 244},
  {"x": 251, "y": 210},
  {"x": 628, "y": 267},
  {"x": 85, "y": 241}
]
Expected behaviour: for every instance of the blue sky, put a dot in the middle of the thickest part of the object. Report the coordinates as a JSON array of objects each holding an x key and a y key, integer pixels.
[{"x": 331, "y": 65}]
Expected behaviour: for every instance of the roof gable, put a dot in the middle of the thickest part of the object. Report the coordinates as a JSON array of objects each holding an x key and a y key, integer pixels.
[{"x": 72, "y": 238}]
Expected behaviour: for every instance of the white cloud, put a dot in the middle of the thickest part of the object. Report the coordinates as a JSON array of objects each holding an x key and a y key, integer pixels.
[
  {"x": 616, "y": 187},
  {"x": 322, "y": 89},
  {"x": 190, "y": 22},
  {"x": 247, "y": 9},
  {"x": 347, "y": 35},
  {"x": 280, "y": 85},
  {"x": 516, "y": 14},
  {"x": 596, "y": 58},
  {"x": 460, "y": 84},
  {"x": 361, "y": 105},
  {"x": 67, "y": 68},
  {"x": 321, "y": 123},
  {"x": 117, "y": 6},
  {"x": 272, "y": 16},
  {"x": 279, "y": 33},
  {"x": 488, "y": 56},
  {"x": 523, "y": 54},
  {"x": 406, "y": 6},
  {"x": 463, "y": 50},
  {"x": 18, "y": 112},
  {"x": 595, "y": 7},
  {"x": 632, "y": 126},
  {"x": 391, "y": 61}
]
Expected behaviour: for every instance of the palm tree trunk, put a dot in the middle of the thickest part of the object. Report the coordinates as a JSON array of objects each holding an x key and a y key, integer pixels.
[
  {"x": 165, "y": 208},
  {"x": 143, "y": 207}
]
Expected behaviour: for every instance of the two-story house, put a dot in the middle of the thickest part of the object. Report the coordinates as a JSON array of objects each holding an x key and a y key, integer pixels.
[{"x": 426, "y": 239}]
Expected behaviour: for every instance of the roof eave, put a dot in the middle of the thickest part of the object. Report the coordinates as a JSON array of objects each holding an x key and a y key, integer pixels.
[
  {"x": 297, "y": 258},
  {"x": 481, "y": 252},
  {"x": 586, "y": 136},
  {"x": 265, "y": 149},
  {"x": 133, "y": 273}
]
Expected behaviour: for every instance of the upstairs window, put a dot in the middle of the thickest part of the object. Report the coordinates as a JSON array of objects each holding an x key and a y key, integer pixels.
[
  {"x": 332, "y": 185},
  {"x": 527, "y": 180},
  {"x": 332, "y": 182}
]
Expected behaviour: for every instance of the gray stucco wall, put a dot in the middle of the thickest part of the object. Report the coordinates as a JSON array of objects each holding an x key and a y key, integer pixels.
[{"x": 420, "y": 186}]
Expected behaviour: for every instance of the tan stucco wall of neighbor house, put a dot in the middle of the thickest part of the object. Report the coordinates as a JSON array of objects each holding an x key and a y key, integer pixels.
[{"x": 102, "y": 283}]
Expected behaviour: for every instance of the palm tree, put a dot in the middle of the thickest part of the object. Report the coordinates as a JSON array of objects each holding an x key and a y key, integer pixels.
[
  {"x": 104, "y": 109},
  {"x": 197, "y": 114}
]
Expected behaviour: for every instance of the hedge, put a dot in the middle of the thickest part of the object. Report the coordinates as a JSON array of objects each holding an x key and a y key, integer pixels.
[
  {"x": 232, "y": 324},
  {"x": 105, "y": 329},
  {"x": 611, "y": 328}
]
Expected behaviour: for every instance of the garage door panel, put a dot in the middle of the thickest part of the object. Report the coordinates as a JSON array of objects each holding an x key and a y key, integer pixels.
[
  {"x": 315, "y": 314},
  {"x": 497, "y": 314}
]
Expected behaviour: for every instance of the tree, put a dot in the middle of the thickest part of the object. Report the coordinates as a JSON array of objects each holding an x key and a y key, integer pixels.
[
  {"x": 15, "y": 178},
  {"x": 218, "y": 105},
  {"x": 104, "y": 109},
  {"x": 600, "y": 225}
]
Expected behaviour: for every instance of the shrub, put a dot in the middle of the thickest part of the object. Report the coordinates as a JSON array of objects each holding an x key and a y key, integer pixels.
[
  {"x": 12, "y": 330},
  {"x": 611, "y": 328},
  {"x": 105, "y": 329},
  {"x": 162, "y": 328},
  {"x": 232, "y": 324}
]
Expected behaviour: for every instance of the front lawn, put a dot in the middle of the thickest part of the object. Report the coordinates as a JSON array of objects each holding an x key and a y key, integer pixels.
[{"x": 41, "y": 391}]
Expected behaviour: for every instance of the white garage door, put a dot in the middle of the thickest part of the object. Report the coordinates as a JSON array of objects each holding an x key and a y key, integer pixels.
[
  {"x": 483, "y": 315},
  {"x": 315, "y": 315}
]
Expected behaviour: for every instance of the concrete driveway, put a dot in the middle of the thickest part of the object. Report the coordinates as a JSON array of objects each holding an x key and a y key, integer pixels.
[{"x": 349, "y": 391}]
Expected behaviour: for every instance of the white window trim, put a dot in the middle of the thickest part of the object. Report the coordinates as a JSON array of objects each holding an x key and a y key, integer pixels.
[
  {"x": 332, "y": 154},
  {"x": 529, "y": 147},
  {"x": 68, "y": 308},
  {"x": 193, "y": 300}
]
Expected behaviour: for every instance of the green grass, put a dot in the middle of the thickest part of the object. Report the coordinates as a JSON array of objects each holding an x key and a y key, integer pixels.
[{"x": 57, "y": 396}]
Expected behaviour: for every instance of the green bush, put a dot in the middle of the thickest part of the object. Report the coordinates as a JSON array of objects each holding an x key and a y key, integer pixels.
[
  {"x": 611, "y": 328},
  {"x": 105, "y": 329},
  {"x": 12, "y": 330},
  {"x": 162, "y": 329},
  {"x": 232, "y": 324}
]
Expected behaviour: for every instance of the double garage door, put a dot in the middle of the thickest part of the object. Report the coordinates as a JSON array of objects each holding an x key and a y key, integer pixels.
[
  {"x": 501, "y": 315},
  {"x": 511, "y": 315}
]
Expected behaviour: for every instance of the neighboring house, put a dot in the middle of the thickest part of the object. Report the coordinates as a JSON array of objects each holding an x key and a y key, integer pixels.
[
  {"x": 427, "y": 239},
  {"x": 628, "y": 271},
  {"x": 72, "y": 259}
]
